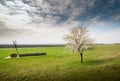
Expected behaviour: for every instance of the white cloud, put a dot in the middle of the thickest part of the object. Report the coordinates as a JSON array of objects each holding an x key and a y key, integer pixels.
[
  {"x": 17, "y": 18},
  {"x": 106, "y": 36},
  {"x": 95, "y": 22}
]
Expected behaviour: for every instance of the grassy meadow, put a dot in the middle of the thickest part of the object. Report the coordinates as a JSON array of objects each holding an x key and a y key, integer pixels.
[{"x": 100, "y": 64}]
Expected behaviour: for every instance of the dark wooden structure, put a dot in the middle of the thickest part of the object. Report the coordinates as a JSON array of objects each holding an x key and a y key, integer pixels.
[
  {"x": 28, "y": 54},
  {"x": 32, "y": 54},
  {"x": 13, "y": 55}
]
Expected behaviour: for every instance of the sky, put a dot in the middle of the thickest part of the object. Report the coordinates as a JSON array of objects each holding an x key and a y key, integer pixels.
[{"x": 47, "y": 21}]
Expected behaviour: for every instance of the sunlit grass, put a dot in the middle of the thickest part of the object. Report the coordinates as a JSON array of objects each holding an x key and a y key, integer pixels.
[{"x": 100, "y": 64}]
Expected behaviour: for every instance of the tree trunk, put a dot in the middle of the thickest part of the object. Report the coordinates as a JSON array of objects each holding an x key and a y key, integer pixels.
[{"x": 81, "y": 56}]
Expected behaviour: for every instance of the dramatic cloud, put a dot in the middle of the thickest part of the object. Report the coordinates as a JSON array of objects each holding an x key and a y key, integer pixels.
[{"x": 46, "y": 21}]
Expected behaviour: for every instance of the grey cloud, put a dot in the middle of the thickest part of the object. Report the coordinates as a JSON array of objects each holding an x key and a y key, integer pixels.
[
  {"x": 6, "y": 31},
  {"x": 57, "y": 10},
  {"x": 61, "y": 11},
  {"x": 2, "y": 2},
  {"x": 2, "y": 25},
  {"x": 65, "y": 9}
]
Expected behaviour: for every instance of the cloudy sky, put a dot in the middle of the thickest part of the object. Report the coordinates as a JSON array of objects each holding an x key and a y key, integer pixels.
[{"x": 47, "y": 21}]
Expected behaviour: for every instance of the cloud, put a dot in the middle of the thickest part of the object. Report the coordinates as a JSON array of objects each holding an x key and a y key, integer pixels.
[
  {"x": 46, "y": 21},
  {"x": 106, "y": 36},
  {"x": 34, "y": 34},
  {"x": 60, "y": 11},
  {"x": 43, "y": 10},
  {"x": 8, "y": 31}
]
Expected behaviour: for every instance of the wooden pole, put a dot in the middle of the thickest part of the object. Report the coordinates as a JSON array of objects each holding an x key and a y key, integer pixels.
[{"x": 15, "y": 45}]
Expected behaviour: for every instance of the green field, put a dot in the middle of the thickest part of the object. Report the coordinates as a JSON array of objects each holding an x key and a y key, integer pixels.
[{"x": 100, "y": 64}]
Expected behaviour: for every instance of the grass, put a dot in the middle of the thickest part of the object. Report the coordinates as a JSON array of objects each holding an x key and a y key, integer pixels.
[{"x": 100, "y": 64}]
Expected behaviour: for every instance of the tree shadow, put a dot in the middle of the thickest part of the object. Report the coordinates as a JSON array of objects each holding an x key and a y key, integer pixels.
[{"x": 99, "y": 61}]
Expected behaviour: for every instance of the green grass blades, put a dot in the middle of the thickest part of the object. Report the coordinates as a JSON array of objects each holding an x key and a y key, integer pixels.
[{"x": 100, "y": 64}]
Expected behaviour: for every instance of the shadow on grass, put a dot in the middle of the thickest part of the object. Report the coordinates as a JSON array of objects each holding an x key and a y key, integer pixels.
[
  {"x": 101, "y": 61},
  {"x": 91, "y": 61}
]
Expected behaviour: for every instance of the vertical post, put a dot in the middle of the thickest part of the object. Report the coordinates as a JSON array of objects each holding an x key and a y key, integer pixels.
[{"x": 15, "y": 45}]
